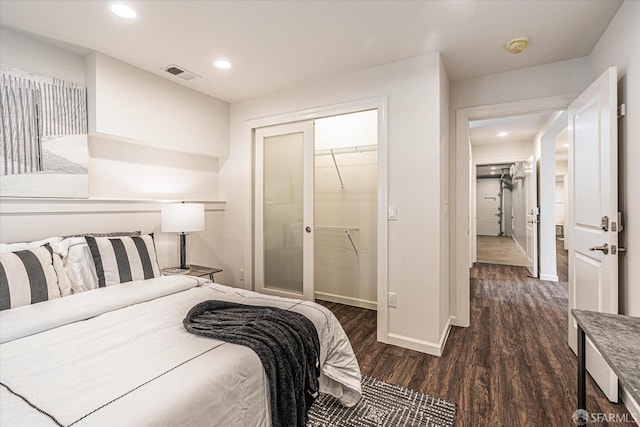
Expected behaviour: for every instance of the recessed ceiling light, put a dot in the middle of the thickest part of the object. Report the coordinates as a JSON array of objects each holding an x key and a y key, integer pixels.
[
  {"x": 516, "y": 45},
  {"x": 221, "y": 63},
  {"x": 501, "y": 134},
  {"x": 493, "y": 172},
  {"x": 123, "y": 11},
  {"x": 493, "y": 168}
]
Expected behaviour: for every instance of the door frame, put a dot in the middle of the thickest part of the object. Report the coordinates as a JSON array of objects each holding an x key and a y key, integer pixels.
[
  {"x": 547, "y": 267},
  {"x": 460, "y": 258},
  {"x": 382, "y": 261},
  {"x": 474, "y": 204}
]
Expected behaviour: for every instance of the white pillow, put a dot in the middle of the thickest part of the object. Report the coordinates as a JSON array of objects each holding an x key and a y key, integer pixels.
[
  {"x": 54, "y": 242},
  {"x": 12, "y": 247},
  {"x": 123, "y": 259},
  {"x": 78, "y": 264},
  {"x": 27, "y": 277}
]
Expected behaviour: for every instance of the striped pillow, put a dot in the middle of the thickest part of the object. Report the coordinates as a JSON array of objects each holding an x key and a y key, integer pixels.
[
  {"x": 27, "y": 277},
  {"x": 123, "y": 259}
]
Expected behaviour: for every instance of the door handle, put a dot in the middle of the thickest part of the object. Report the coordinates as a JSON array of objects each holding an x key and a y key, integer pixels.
[
  {"x": 604, "y": 248},
  {"x": 308, "y": 229}
]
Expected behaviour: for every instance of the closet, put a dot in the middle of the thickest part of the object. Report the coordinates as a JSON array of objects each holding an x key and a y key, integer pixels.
[
  {"x": 316, "y": 208},
  {"x": 346, "y": 162}
]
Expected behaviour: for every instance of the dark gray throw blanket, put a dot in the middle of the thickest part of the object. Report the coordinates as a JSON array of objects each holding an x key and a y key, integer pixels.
[{"x": 286, "y": 342}]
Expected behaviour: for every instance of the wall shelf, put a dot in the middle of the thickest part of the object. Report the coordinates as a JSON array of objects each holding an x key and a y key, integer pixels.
[{"x": 340, "y": 230}]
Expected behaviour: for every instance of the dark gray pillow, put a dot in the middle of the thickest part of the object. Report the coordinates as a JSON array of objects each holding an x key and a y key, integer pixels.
[{"x": 112, "y": 234}]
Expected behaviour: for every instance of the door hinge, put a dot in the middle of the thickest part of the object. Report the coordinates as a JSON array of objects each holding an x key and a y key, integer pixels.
[{"x": 622, "y": 110}]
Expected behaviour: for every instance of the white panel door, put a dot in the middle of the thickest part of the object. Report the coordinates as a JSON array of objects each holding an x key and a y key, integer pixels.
[
  {"x": 488, "y": 207},
  {"x": 531, "y": 208},
  {"x": 593, "y": 195},
  {"x": 284, "y": 210}
]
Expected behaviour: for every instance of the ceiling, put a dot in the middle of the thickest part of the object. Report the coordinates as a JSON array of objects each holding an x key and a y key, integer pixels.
[
  {"x": 276, "y": 45},
  {"x": 519, "y": 129},
  {"x": 492, "y": 171}
]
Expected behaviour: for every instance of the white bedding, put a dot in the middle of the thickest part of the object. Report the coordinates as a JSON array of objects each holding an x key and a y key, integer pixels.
[{"x": 121, "y": 356}]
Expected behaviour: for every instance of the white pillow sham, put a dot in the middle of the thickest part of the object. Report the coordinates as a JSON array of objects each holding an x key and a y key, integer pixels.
[
  {"x": 58, "y": 265},
  {"x": 123, "y": 259},
  {"x": 27, "y": 277},
  {"x": 78, "y": 264}
]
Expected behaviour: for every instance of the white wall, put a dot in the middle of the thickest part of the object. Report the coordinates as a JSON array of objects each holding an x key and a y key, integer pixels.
[
  {"x": 35, "y": 55},
  {"x": 128, "y": 102},
  {"x": 444, "y": 223},
  {"x": 562, "y": 169},
  {"x": 413, "y": 88},
  {"x": 501, "y": 152},
  {"x": 28, "y": 220},
  {"x": 558, "y": 78},
  {"x": 519, "y": 204},
  {"x": 124, "y": 170},
  {"x": 618, "y": 46},
  {"x": 559, "y": 196}
]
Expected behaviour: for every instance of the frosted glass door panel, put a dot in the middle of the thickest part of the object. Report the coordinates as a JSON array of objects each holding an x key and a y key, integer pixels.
[{"x": 283, "y": 212}]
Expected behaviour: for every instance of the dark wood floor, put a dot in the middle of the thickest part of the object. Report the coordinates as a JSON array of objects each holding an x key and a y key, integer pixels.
[
  {"x": 511, "y": 367},
  {"x": 562, "y": 261}
]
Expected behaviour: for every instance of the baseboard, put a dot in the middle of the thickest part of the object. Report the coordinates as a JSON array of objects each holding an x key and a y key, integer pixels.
[
  {"x": 422, "y": 346},
  {"x": 549, "y": 277},
  {"x": 455, "y": 322},
  {"x": 356, "y": 302},
  {"x": 632, "y": 406}
]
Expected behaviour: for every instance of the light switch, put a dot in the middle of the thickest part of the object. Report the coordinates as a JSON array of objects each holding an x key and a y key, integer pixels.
[{"x": 392, "y": 213}]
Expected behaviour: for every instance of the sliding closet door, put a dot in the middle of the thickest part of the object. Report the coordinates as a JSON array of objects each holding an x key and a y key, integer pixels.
[{"x": 284, "y": 210}]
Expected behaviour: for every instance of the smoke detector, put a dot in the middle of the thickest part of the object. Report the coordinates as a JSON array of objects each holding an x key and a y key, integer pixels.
[
  {"x": 516, "y": 45},
  {"x": 180, "y": 72}
]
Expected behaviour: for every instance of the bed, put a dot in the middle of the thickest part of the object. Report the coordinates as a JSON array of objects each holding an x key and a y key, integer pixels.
[{"x": 119, "y": 355}]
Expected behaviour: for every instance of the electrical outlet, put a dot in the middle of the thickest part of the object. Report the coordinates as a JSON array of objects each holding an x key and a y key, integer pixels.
[
  {"x": 392, "y": 299},
  {"x": 242, "y": 274}
]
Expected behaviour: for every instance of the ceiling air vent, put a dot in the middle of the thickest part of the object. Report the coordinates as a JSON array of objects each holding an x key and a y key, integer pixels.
[{"x": 180, "y": 72}]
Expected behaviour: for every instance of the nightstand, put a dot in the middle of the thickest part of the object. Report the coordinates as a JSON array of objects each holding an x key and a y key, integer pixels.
[
  {"x": 194, "y": 270},
  {"x": 201, "y": 271}
]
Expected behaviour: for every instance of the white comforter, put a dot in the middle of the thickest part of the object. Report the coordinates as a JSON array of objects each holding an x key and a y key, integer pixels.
[{"x": 120, "y": 356}]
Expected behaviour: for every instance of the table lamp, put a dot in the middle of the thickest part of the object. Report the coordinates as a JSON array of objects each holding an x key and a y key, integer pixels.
[{"x": 182, "y": 218}]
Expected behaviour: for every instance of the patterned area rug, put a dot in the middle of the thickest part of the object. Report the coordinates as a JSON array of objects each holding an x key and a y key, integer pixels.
[{"x": 383, "y": 404}]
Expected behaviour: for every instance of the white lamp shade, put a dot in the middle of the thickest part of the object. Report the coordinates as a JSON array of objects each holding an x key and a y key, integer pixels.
[{"x": 182, "y": 217}]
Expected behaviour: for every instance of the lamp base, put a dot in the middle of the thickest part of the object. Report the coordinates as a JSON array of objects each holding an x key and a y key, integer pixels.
[{"x": 182, "y": 251}]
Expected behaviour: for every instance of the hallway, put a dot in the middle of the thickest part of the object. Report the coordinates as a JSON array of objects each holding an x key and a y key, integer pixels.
[{"x": 500, "y": 250}]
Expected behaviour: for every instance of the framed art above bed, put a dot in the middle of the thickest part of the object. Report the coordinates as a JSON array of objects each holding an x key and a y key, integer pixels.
[{"x": 43, "y": 136}]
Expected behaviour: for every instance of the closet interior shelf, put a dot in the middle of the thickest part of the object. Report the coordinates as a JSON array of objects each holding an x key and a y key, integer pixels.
[
  {"x": 333, "y": 151},
  {"x": 340, "y": 230},
  {"x": 346, "y": 150}
]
